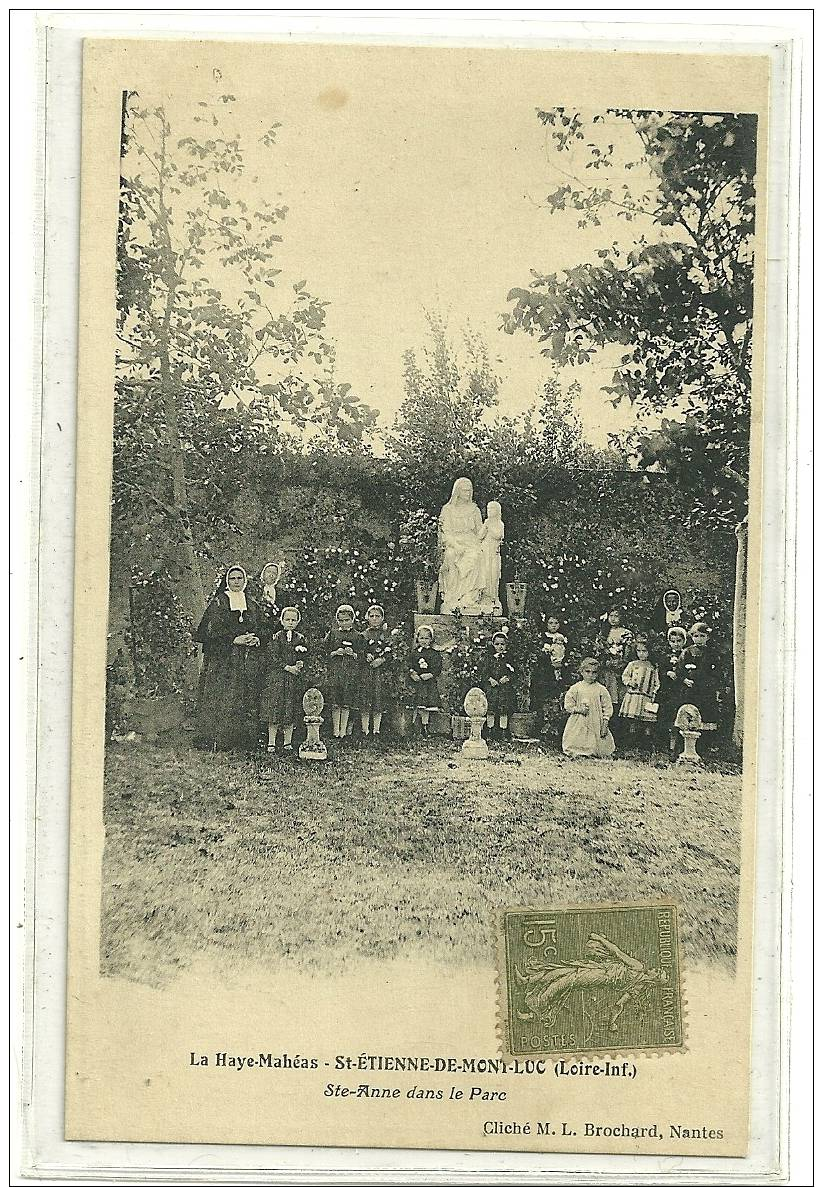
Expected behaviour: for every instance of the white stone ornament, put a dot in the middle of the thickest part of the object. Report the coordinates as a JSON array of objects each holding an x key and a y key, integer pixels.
[
  {"x": 314, "y": 748},
  {"x": 690, "y": 724}
]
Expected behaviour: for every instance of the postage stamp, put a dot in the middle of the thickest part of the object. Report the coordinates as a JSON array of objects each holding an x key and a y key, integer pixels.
[{"x": 603, "y": 977}]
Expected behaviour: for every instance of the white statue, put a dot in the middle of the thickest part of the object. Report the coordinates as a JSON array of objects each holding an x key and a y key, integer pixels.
[
  {"x": 461, "y": 570},
  {"x": 470, "y": 569}
]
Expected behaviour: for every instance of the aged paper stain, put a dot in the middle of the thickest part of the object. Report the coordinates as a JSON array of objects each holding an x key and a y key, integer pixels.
[{"x": 333, "y": 98}]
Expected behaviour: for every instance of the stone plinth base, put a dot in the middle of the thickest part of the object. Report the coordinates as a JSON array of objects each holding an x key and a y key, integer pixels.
[
  {"x": 314, "y": 748},
  {"x": 449, "y": 630},
  {"x": 475, "y": 748}
]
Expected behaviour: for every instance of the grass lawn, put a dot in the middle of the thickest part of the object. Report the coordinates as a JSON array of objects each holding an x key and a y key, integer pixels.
[{"x": 379, "y": 855}]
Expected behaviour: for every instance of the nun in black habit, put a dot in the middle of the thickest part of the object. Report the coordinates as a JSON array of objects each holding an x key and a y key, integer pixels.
[{"x": 229, "y": 633}]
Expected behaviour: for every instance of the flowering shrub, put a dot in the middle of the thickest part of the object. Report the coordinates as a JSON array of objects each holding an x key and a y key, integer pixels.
[
  {"x": 157, "y": 637},
  {"x": 419, "y": 545},
  {"x": 320, "y": 579},
  {"x": 582, "y": 541}
]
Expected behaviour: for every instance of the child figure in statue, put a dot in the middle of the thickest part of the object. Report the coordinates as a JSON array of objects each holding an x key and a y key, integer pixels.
[{"x": 491, "y": 536}]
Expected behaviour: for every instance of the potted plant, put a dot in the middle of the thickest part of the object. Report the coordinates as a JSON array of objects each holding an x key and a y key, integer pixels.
[{"x": 419, "y": 545}]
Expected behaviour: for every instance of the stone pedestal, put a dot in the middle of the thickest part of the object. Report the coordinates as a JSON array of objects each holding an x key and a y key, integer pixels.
[
  {"x": 689, "y": 724},
  {"x": 449, "y": 630},
  {"x": 314, "y": 748},
  {"x": 689, "y": 746},
  {"x": 476, "y": 707}
]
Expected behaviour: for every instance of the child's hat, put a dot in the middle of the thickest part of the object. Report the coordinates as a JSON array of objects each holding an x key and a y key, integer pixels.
[
  {"x": 376, "y": 607},
  {"x": 500, "y": 635},
  {"x": 678, "y": 632},
  {"x": 699, "y": 628},
  {"x": 344, "y": 609},
  {"x": 290, "y": 610},
  {"x": 428, "y": 631}
]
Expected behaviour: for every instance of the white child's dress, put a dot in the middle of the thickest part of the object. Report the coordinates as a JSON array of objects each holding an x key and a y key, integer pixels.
[{"x": 582, "y": 735}]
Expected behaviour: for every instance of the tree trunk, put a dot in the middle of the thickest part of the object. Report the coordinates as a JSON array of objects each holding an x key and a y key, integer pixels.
[
  {"x": 739, "y": 633},
  {"x": 185, "y": 570}
]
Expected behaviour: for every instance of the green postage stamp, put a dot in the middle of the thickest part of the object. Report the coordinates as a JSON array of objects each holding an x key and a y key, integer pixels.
[{"x": 603, "y": 977}]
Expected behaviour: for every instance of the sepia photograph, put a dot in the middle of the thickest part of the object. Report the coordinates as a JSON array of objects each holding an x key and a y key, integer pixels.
[
  {"x": 429, "y": 515},
  {"x": 406, "y": 585}
]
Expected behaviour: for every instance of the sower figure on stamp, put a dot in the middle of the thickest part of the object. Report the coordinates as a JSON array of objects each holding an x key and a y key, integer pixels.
[{"x": 547, "y": 987}]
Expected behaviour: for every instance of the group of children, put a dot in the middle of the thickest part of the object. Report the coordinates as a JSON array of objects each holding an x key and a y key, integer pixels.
[
  {"x": 255, "y": 669},
  {"x": 631, "y": 684},
  {"x": 255, "y": 672}
]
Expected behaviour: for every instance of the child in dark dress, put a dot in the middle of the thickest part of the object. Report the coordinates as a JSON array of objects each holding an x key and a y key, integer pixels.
[
  {"x": 281, "y": 698},
  {"x": 497, "y": 679},
  {"x": 342, "y": 645},
  {"x": 424, "y": 666},
  {"x": 671, "y": 694},
  {"x": 612, "y": 650},
  {"x": 550, "y": 679},
  {"x": 613, "y": 653},
  {"x": 697, "y": 670},
  {"x": 229, "y": 633},
  {"x": 376, "y": 674}
]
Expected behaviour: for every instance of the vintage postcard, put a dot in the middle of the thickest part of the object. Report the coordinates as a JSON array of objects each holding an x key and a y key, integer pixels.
[{"x": 417, "y": 596}]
